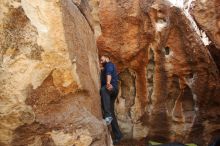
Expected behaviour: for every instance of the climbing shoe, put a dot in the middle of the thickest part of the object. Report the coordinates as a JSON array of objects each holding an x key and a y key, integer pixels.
[{"x": 108, "y": 120}]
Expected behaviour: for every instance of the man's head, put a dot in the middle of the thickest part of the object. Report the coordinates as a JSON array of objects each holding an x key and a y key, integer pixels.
[{"x": 104, "y": 59}]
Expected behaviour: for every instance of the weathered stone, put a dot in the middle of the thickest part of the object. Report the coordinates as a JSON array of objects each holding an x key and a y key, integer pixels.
[
  {"x": 49, "y": 93},
  {"x": 125, "y": 32},
  {"x": 49, "y": 75},
  {"x": 207, "y": 15},
  {"x": 125, "y": 102},
  {"x": 175, "y": 75}
]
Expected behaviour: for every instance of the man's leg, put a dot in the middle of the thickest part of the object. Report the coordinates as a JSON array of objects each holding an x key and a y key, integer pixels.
[
  {"x": 102, "y": 107},
  {"x": 115, "y": 128},
  {"x": 106, "y": 101}
]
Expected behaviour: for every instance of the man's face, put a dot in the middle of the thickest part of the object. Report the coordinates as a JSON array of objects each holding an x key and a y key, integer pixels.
[{"x": 103, "y": 60}]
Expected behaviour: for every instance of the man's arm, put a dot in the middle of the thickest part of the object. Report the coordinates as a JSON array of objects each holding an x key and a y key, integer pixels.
[
  {"x": 108, "y": 83},
  {"x": 109, "y": 78},
  {"x": 109, "y": 71}
]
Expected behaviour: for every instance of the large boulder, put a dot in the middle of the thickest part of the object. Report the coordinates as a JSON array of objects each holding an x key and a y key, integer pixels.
[
  {"x": 169, "y": 83},
  {"x": 49, "y": 75}
]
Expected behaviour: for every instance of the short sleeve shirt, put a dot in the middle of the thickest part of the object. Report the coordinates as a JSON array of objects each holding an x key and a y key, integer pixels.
[{"x": 109, "y": 69}]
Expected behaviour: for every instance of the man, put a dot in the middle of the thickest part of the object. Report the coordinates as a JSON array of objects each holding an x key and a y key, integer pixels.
[{"x": 109, "y": 92}]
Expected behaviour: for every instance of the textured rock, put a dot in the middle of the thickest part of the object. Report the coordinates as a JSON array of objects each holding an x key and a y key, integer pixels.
[
  {"x": 207, "y": 15},
  {"x": 49, "y": 75},
  {"x": 169, "y": 81},
  {"x": 125, "y": 31},
  {"x": 94, "y": 4}
]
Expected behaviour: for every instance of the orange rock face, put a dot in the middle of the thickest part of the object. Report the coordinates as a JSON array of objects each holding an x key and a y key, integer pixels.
[
  {"x": 169, "y": 81},
  {"x": 125, "y": 31}
]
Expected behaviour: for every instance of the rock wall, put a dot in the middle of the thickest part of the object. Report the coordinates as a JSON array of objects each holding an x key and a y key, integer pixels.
[
  {"x": 49, "y": 93},
  {"x": 169, "y": 81},
  {"x": 207, "y": 15}
]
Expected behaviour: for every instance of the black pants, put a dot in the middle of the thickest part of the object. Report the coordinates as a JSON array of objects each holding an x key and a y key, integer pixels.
[{"x": 108, "y": 100}]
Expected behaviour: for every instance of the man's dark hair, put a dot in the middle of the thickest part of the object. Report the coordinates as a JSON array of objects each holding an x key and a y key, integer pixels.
[{"x": 106, "y": 55}]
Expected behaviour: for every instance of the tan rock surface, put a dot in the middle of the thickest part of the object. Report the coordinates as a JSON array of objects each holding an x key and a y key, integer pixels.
[
  {"x": 49, "y": 75},
  {"x": 169, "y": 81}
]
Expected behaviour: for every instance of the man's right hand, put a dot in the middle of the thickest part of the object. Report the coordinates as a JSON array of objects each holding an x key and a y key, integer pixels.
[{"x": 109, "y": 86}]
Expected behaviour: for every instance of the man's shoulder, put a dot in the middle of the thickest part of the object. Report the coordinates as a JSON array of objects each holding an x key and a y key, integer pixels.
[{"x": 109, "y": 64}]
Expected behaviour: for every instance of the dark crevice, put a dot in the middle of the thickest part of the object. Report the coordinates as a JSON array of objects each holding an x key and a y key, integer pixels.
[
  {"x": 150, "y": 75},
  {"x": 167, "y": 50},
  {"x": 215, "y": 53}
]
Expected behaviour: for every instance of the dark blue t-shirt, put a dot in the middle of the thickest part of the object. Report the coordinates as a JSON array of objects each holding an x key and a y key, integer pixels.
[{"x": 109, "y": 69}]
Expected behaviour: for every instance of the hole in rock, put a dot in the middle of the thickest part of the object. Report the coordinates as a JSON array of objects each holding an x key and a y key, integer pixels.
[{"x": 167, "y": 50}]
